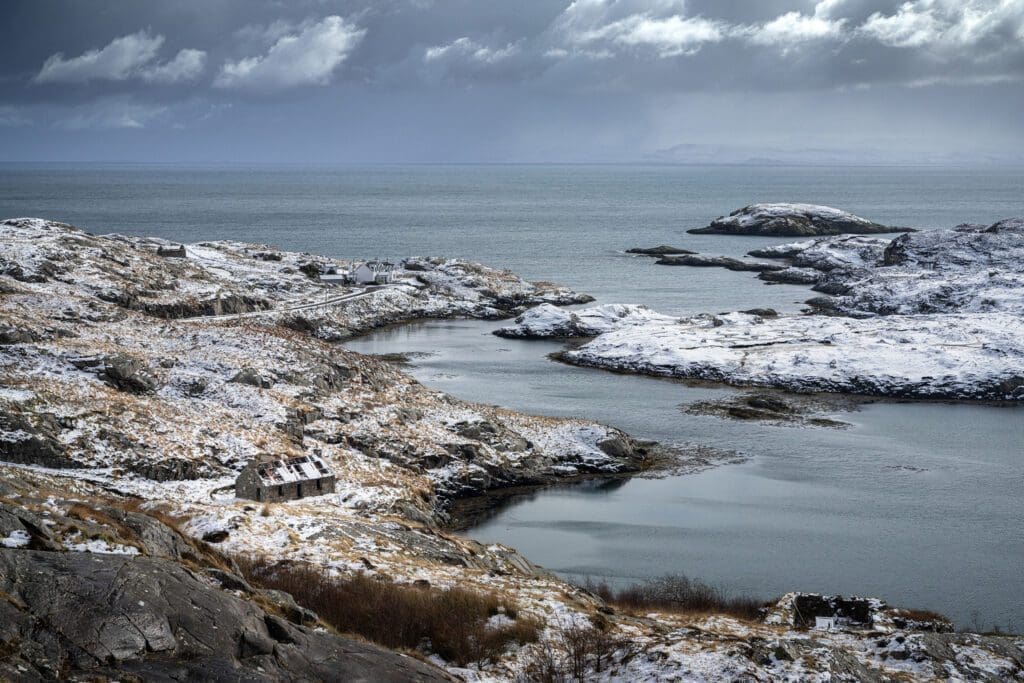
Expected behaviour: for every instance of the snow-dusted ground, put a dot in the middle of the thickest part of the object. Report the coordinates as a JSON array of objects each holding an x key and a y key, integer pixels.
[{"x": 227, "y": 277}]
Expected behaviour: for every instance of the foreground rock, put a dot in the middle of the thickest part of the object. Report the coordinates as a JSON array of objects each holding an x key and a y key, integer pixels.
[
  {"x": 141, "y": 601},
  {"x": 928, "y": 357},
  {"x": 113, "y": 616},
  {"x": 791, "y": 220}
]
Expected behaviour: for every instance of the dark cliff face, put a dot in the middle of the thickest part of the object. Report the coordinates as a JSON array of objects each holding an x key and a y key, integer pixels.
[
  {"x": 67, "y": 614},
  {"x": 91, "y": 587}
]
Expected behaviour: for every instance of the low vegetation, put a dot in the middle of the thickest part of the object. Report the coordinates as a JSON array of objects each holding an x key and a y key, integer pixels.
[
  {"x": 677, "y": 594},
  {"x": 460, "y": 626},
  {"x": 573, "y": 651}
]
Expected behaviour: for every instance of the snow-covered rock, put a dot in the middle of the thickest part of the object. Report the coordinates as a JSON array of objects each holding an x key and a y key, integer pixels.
[
  {"x": 829, "y": 253},
  {"x": 966, "y": 269},
  {"x": 791, "y": 220},
  {"x": 954, "y": 356},
  {"x": 547, "y": 321}
]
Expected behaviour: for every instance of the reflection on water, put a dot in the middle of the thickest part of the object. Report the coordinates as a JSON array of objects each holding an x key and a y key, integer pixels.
[
  {"x": 478, "y": 511},
  {"x": 918, "y": 503}
]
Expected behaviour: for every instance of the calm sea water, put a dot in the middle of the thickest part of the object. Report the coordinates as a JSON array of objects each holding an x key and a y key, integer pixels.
[{"x": 919, "y": 503}]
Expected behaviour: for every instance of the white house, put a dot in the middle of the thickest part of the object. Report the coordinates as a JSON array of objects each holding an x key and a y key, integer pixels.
[{"x": 373, "y": 272}]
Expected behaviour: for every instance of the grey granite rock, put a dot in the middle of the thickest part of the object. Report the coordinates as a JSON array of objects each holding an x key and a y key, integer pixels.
[{"x": 72, "y": 614}]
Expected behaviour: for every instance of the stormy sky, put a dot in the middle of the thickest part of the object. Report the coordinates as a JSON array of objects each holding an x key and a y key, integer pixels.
[{"x": 327, "y": 81}]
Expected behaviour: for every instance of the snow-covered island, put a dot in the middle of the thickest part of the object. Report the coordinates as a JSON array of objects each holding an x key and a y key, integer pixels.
[
  {"x": 138, "y": 379},
  {"x": 952, "y": 356},
  {"x": 929, "y": 315},
  {"x": 792, "y": 220}
]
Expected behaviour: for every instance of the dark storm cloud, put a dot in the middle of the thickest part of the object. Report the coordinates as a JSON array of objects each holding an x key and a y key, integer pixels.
[{"x": 537, "y": 70}]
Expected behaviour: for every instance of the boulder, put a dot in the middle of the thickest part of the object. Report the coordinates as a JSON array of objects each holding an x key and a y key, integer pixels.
[
  {"x": 253, "y": 377},
  {"x": 791, "y": 276},
  {"x": 192, "y": 308},
  {"x": 123, "y": 372}
]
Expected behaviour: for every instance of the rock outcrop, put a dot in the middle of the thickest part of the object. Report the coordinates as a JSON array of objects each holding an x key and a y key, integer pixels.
[
  {"x": 83, "y": 614},
  {"x": 970, "y": 268},
  {"x": 727, "y": 262},
  {"x": 791, "y": 220},
  {"x": 660, "y": 250}
]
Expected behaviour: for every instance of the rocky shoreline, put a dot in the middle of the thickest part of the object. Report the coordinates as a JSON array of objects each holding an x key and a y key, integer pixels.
[{"x": 124, "y": 419}]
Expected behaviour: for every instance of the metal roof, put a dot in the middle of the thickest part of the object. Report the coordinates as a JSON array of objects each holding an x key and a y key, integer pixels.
[{"x": 303, "y": 468}]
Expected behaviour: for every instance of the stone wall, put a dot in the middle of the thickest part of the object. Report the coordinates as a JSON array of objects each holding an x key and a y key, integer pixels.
[{"x": 248, "y": 485}]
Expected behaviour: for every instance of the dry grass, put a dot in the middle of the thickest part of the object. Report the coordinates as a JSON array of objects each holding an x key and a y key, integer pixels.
[
  {"x": 922, "y": 615},
  {"x": 121, "y": 532},
  {"x": 452, "y": 623},
  {"x": 677, "y": 594}
]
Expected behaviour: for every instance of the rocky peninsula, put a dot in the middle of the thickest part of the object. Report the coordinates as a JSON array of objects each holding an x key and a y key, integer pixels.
[
  {"x": 135, "y": 385},
  {"x": 792, "y": 220}
]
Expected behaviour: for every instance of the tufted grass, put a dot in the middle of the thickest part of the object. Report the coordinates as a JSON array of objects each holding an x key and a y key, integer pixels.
[{"x": 451, "y": 623}]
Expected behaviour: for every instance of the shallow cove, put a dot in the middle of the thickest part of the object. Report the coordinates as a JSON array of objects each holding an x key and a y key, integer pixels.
[{"x": 919, "y": 503}]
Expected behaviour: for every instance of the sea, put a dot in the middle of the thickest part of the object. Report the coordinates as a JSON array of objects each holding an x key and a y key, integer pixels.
[{"x": 921, "y": 504}]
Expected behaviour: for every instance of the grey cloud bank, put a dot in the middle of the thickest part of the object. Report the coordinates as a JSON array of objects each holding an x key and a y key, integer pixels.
[{"x": 835, "y": 81}]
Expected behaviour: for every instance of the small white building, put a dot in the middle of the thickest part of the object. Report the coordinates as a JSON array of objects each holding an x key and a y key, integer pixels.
[
  {"x": 826, "y": 623},
  {"x": 373, "y": 273}
]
